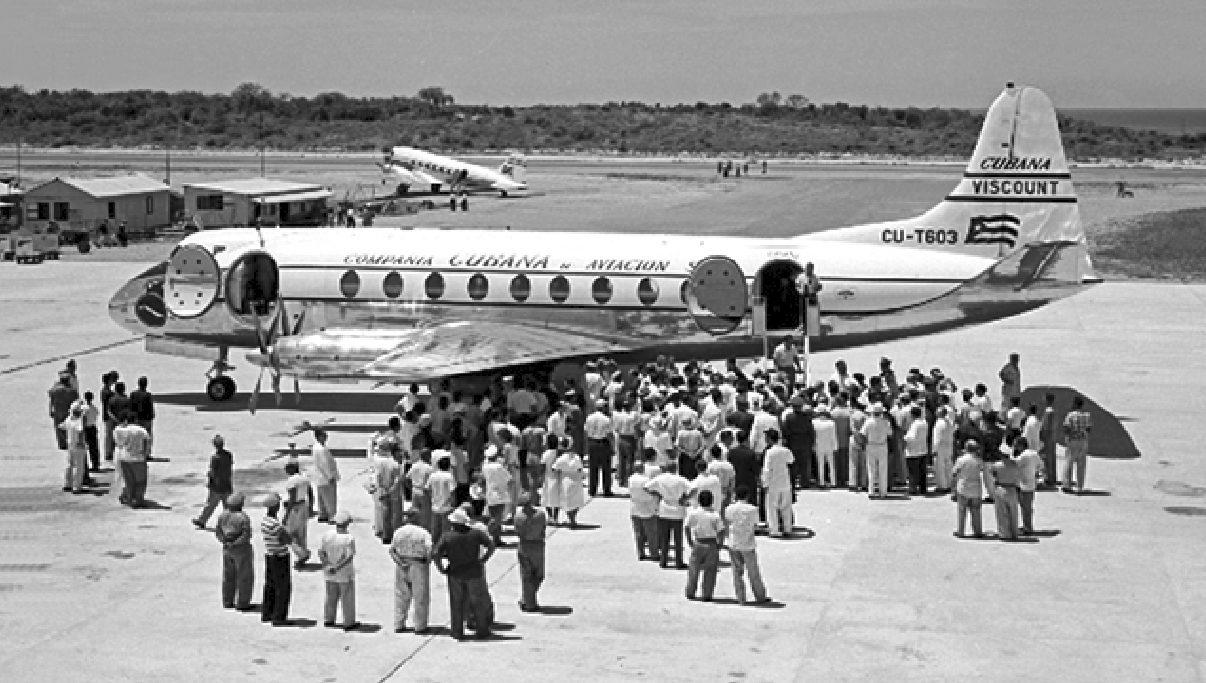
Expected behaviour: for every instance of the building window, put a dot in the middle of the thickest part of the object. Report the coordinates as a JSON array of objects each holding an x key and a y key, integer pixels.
[
  {"x": 601, "y": 290},
  {"x": 434, "y": 286},
  {"x": 479, "y": 287},
  {"x": 43, "y": 211},
  {"x": 392, "y": 285},
  {"x": 209, "y": 202},
  {"x": 521, "y": 288},
  {"x": 112, "y": 209},
  {"x": 62, "y": 211},
  {"x": 559, "y": 289},
  {"x": 150, "y": 205},
  {"x": 349, "y": 284},
  {"x": 647, "y": 291}
]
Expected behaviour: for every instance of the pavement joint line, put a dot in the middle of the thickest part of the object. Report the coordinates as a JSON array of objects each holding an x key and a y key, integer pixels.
[{"x": 65, "y": 356}]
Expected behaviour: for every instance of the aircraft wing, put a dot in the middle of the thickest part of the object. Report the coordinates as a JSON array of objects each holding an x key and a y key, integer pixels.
[{"x": 470, "y": 347}]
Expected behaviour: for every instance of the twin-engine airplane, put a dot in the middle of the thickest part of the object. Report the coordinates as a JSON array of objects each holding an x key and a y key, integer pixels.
[
  {"x": 412, "y": 167},
  {"x": 421, "y": 305}
]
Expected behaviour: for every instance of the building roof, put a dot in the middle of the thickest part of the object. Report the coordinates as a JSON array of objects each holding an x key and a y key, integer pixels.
[
  {"x": 113, "y": 187},
  {"x": 256, "y": 186},
  {"x": 311, "y": 195}
]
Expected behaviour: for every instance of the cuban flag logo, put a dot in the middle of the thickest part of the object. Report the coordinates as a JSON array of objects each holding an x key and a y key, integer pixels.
[{"x": 999, "y": 229}]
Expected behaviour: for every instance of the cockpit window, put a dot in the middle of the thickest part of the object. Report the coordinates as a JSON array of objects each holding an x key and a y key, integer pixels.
[{"x": 253, "y": 285}]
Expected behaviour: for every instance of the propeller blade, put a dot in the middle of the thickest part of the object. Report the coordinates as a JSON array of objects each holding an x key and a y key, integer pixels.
[
  {"x": 301, "y": 317},
  {"x": 282, "y": 315},
  {"x": 255, "y": 393},
  {"x": 276, "y": 387},
  {"x": 296, "y": 391},
  {"x": 259, "y": 331}
]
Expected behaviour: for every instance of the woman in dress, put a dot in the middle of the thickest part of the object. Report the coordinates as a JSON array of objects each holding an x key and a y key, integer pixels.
[
  {"x": 552, "y": 493},
  {"x": 569, "y": 464}
]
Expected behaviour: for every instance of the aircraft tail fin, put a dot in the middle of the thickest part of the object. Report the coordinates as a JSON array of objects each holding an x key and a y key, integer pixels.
[
  {"x": 516, "y": 166},
  {"x": 1016, "y": 190}
]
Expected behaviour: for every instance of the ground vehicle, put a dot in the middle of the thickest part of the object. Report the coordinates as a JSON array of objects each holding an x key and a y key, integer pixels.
[{"x": 24, "y": 247}]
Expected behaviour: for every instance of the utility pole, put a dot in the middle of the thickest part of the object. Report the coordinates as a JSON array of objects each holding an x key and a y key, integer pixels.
[
  {"x": 261, "y": 144},
  {"x": 168, "y": 181}
]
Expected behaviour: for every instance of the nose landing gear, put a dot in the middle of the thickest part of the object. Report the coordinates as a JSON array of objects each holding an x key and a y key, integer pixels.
[{"x": 221, "y": 387}]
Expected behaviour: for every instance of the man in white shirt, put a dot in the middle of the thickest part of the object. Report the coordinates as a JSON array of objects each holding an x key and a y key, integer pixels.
[
  {"x": 1031, "y": 465},
  {"x": 825, "y": 446},
  {"x": 498, "y": 491},
  {"x": 703, "y": 528},
  {"x": 943, "y": 441},
  {"x": 643, "y": 511},
  {"x": 742, "y": 519},
  {"x": 600, "y": 446},
  {"x": 786, "y": 360},
  {"x": 776, "y": 478},
  {"x": 672, "y": 492},
  {"x": 706, "y": 481},
  {"x": 876, "y": 431},
  {"x": 337, "y": 552},
  {"x": 410, "y": 550},
  {"x": 324, "y": 476},
  {"x": 440, "y": 487},
  {"x": 764, "y": 422},
  {"x": 916, "y": 443}
]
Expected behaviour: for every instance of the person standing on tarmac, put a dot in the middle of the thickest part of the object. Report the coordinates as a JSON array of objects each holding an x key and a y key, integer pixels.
[
  {"x": 233, "y": 530},
  {"x": 218, "y": 481}
]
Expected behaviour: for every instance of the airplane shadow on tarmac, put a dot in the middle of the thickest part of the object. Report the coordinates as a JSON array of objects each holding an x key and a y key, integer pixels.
[
  {"x": 321, "y": 401},
  {"x": 1109, "y": 437}
]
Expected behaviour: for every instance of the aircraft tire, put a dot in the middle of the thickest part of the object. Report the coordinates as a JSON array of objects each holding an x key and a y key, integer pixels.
[{"x": 220, "y": 389}]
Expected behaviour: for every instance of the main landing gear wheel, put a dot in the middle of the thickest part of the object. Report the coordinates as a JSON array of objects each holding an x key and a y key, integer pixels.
[{"x": 220, "y": 388}]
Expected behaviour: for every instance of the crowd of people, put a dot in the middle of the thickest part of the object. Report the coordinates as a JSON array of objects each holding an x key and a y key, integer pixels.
[
  {"x": 706, "y": 456},
  {"x": 128, "y": 424}
]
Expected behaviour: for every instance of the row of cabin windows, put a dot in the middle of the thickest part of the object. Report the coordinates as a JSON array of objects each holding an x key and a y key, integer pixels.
[
  {"x": 61, "y": 211},
  {"x": 478, "y": 288}
]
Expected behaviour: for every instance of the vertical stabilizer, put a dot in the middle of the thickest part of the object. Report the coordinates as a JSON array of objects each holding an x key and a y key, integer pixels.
[{"x": 1015, "y": 191}]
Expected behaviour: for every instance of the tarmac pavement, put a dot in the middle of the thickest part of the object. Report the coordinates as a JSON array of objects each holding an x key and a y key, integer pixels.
[{"x": 1113, "y": 589}]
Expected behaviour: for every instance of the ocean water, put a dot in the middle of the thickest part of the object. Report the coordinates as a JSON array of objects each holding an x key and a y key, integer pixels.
[{"x": 1171, "y": 121}]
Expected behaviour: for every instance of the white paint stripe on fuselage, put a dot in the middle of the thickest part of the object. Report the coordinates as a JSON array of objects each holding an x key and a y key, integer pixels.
[{"x": 859, "y": 278}]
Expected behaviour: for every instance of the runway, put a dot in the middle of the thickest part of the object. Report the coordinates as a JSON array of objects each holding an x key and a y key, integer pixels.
[{"x": 871, "y": 590}]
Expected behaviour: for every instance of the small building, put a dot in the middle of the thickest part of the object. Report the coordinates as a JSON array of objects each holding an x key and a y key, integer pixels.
[
  {"x": 79, "y": 206},
  {"x": 238, "y": 203}
]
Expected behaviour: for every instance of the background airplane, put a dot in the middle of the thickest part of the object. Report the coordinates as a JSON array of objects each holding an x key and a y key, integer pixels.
[
  {"x": 423, "y": 305},
  {"x": 414, "y": 168}
]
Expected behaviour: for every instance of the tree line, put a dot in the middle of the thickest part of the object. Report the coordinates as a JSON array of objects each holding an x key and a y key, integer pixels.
[{"x": 772, "y": 125}]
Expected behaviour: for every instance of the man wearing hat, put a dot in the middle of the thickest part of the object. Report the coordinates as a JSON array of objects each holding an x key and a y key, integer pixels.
[
  {"x": 278, "y": 583},
  {"x": 410, "y": 550},
  {"x": 297, "y": 509},
  {"x": 600, "y": 446},
  {"x": 498, "y": 490},
  {"x": 877, "y": 431},
  {"x": 337, "y": 552},
  {"x": 77, "y": 449},
  {"x": 459, "y": 556},
  {"x": 233, "y": 531},
  {"x": 530, "y": 525}
]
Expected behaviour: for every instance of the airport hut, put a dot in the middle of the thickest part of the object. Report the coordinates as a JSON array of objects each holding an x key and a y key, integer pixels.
[
  {"x": 76, "y": 208},
  {"x": 238, "y": 203}
]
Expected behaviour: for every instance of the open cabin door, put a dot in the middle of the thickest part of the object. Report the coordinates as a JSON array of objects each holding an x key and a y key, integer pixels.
[{"x": 717, "y": 295}]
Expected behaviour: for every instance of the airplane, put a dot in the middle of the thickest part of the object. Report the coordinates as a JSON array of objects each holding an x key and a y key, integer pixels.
[
  {"x": 399, "y": 306},
  {"x": 414, "y": 167}
]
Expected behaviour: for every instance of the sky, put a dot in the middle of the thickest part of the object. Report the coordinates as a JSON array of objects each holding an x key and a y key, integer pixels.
[{"x": 956, "y": 53}]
